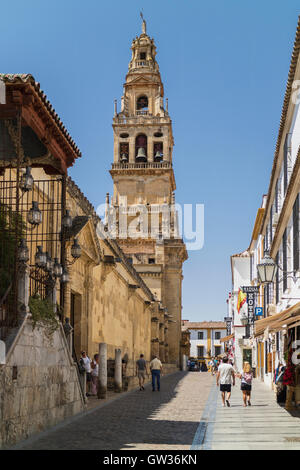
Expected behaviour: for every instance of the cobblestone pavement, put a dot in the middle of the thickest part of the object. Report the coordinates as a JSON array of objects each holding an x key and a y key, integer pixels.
[
  {"x": 263, "y": 426},
  {"x": 149, "y": 420}
]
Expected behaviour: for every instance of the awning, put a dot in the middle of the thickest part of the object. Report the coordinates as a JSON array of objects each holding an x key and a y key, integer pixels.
[
  {"x": 287, "y": 323},
  {"x": 273, "y": 322},
  {"x": 226, "y": 338}
]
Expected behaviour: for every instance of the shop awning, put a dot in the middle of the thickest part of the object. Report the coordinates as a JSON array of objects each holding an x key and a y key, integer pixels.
[
  {"x": 290, "y": 315},
  {"x": 287, "y": 323},
  {"x": 226, "y": 338}
]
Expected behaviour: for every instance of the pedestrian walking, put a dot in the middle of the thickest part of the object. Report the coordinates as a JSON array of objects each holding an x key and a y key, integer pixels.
[
  {"x": 141, "y": 370},
  {"x": 95, "y": 374},
  {"x": 156, "y": 370},
  {"x": 225, "y": 377},
  {"x": 246, "y": 383},
  {"x": 85, "y": 362}
]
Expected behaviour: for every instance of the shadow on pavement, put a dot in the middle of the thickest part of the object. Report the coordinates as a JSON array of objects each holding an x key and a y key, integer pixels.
[{"x": 125, "y": 422}]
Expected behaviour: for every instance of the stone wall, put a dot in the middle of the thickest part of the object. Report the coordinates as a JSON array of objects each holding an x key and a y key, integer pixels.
[{"x": 39, "y": 385}]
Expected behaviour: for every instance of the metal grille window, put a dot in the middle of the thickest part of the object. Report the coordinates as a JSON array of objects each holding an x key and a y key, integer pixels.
[
  {"x": 296, "y": 235},
  {"x": 30, "y": 218},
  {"x": 200, "y": 351},
  {"x": 284, "y": 259},
  {"x": 200, "y": 335}
]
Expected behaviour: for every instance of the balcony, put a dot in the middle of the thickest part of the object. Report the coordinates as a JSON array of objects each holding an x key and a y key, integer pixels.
[
  {"x": 141, "y": 118},
  {"x": 142, "y": 63},
  {"x": 141, "y": 166}
]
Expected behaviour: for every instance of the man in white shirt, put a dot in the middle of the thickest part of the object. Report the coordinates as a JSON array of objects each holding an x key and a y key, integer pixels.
[
  {"x": 156, "y": 369},
  {"x": 225, "y": 377}
]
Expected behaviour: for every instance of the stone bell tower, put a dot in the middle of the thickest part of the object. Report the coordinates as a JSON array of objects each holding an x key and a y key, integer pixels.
[{"x": 144, "y": 182}]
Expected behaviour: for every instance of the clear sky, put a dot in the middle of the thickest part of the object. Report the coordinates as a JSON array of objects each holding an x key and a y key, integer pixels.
[{"x": 224, "y": 65}]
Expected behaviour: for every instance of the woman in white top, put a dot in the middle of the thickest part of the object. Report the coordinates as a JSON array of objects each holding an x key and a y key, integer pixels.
[
  {"x": 246, "y": 383},
  {"x": 95, "y": 374}
]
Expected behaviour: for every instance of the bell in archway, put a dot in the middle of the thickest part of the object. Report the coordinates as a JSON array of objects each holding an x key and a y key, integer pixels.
[
  {"x": 124, "y": 158},
  {"x": 158, "y": 156},
  {"x": 141, "y": 156}
]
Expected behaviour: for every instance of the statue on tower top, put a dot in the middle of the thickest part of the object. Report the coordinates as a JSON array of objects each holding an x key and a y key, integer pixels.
[{"x": 144, "y": 25}]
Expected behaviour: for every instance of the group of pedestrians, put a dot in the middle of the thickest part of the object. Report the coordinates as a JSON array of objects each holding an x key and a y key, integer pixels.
[
  {"x": 214, "y": 364},
  {"x": 156, "y": 371},
  {"x": 226, "y": 376},
  {"x": 91, "y": 367}
]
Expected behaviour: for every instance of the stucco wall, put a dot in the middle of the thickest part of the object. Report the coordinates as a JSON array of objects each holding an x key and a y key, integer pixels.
[{"x": 38, "y": 385}]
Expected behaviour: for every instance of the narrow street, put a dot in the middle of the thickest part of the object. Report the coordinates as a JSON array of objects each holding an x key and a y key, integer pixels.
[{"x": 186, "y": 414}]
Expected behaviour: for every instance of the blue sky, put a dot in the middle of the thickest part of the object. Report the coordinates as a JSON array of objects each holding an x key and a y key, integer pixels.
[{"x": 224, "y": 65}]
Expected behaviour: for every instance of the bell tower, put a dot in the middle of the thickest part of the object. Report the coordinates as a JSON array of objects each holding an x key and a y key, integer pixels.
[{"x": 143, "y": 176}]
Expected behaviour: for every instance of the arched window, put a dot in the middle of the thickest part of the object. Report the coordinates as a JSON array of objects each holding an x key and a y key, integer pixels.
[
  {"x": 142, "y": 105},
  {"x": 124, "y": 152},
  {"x": 158, "y": 151},
  {"x": 141, "y": 148}
]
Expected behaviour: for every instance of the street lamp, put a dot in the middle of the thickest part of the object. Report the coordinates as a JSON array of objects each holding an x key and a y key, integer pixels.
[
  {"x": 267, "y": 269},
  {"x": 40, "y": 258},
  {"x": 65, "y": 276},
  {"x": 34, "y": 216},
  {"x": 76, "y": 249},
  {"x": 244, "y": 319},
  {"x": 67, "y": 220},
  {"x": 26, "y": 182},
  {"x": 58, "y": 270},
  {"x": 23, "y": 252},
  {"x": 49, "y": 263}
]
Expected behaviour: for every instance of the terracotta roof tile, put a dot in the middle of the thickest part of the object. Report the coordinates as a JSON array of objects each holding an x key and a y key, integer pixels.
[
  {"x": 28, "y": 78},
  {"x": 286, "y": 102},
  {"x": 186, "y": 325}
]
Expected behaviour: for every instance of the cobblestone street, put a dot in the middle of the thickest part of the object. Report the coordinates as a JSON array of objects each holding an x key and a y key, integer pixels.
[
  {"x": 138, "y": 420},
  {"x": 186, "y": 414}
]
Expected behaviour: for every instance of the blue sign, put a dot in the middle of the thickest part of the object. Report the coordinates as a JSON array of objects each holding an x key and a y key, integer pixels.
[{"x": 258, "y": 311}]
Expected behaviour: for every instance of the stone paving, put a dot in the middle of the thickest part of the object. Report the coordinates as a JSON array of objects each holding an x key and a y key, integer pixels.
[
  {"x": 185, "y": 414},
  {"x": 162, "y": 420},
  {"x": 263, "y": 426}
]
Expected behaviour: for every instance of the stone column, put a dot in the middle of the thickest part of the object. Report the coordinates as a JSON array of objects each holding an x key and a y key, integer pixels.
[
  {"x": 131, "y": 150},
  {"x": 2, "y": 353},
  {"x": 150, "y": 149},
  {"x": 184, "y": 362},
  {"x": 118, "y": 370},
  {"x": 102, "y": 370},
  {"x": 23, "y": 286}
]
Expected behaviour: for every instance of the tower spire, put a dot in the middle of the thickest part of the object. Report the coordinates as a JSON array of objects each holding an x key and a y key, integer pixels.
[{"x": 144, "y": 24}]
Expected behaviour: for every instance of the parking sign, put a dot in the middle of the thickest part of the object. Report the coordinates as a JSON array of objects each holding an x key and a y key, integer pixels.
[{"x": 258, "y": 311}]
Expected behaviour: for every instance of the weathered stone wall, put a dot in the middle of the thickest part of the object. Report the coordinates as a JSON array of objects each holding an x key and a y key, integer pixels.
[{"x": 39, "y": 386}]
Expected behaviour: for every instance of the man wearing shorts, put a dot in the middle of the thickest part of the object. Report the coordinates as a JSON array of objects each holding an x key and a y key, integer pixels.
[
  {"x": 225, "y": 377},
  {"x": 141, "y": 369}
]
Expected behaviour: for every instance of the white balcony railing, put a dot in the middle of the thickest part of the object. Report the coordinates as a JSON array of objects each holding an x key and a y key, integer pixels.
[{"x": 136, "y": 166}]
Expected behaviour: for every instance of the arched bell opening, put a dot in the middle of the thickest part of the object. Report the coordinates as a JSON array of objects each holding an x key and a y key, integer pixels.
[
  {"x": 141, "y": 148},
  {"x": 158, "y": 153},
  {"x": 124, "y": 152},
  {"x": 142, "y": 105}
]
